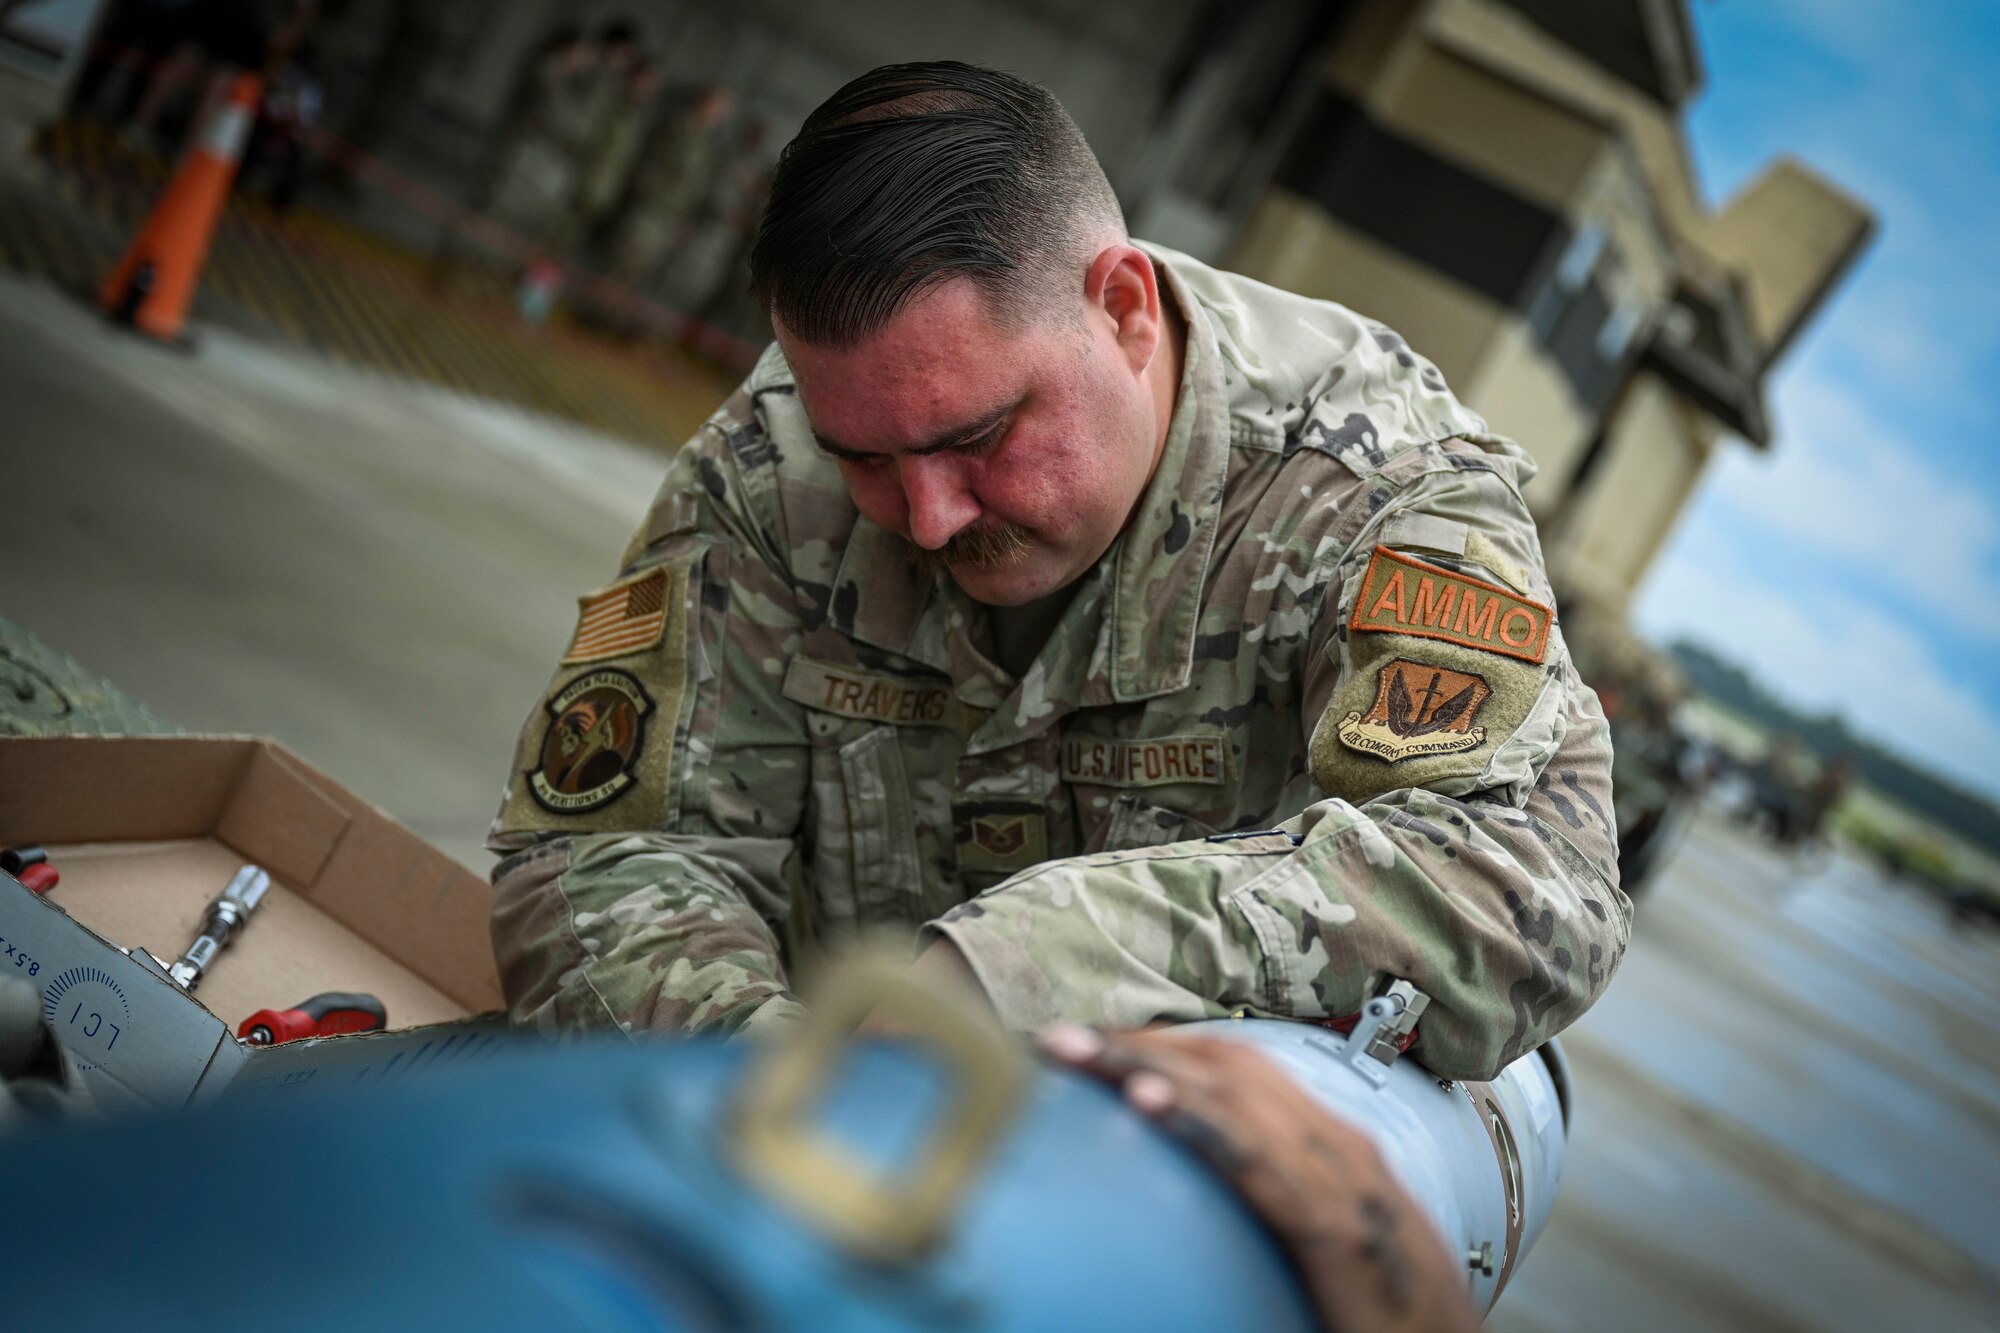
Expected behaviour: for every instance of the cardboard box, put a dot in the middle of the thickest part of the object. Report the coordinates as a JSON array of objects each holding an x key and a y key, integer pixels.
[{"x": 146, "y": 831}]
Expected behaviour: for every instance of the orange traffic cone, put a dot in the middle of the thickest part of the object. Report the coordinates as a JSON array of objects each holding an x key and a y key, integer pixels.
[{"x": 153, "y": 285}]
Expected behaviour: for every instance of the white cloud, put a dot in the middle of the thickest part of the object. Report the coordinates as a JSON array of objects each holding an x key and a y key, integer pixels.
[
  {"x": 1836, "y": 653},
  {"x": 1860, "y": 491}
]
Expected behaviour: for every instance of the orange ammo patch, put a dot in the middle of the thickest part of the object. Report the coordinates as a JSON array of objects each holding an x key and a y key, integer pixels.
[{"x": 1401, "y": 595}]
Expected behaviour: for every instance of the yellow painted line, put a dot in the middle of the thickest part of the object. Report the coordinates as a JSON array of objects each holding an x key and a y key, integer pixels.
[
  {"x": 327, "y": 309},
  {"x": 262, "y": 278},
  {"x": 341, "y": 282},
  {"x": 387, "y": 317}
]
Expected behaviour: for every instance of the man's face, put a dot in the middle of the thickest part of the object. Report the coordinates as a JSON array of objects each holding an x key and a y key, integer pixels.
[{"x": 1014, "y": 454}]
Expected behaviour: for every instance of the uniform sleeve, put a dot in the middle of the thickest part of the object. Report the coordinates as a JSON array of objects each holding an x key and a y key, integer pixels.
[
  {"x": 1464, "y": 839},
  {"x": 650, "y": 815}
]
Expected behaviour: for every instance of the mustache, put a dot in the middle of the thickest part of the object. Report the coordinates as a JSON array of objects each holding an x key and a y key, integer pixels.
[{"x": 986, "y": 547}]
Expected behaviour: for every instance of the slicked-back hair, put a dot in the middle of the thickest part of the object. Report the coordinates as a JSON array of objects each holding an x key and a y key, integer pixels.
[{"x": 913, "y": 175}]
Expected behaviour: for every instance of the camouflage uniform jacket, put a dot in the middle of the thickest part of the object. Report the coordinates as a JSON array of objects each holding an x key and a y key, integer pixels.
[{"x": 1328, "y": 615}]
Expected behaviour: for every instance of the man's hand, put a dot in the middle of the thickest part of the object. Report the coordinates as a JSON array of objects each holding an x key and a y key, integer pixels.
[{"x": 1368, "y": 1258}]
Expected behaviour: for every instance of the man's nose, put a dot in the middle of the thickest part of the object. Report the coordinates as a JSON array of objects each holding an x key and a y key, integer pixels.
[{"x": 940, "y": 504}]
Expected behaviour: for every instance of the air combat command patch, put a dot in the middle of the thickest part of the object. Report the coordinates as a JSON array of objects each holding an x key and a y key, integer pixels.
[
  {"x": 597, "y": 724},
  {"x": 1419, "y": 710}
]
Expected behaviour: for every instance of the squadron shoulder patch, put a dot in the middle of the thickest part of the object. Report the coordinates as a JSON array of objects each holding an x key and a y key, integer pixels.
[
  {"x": 597, "y": 726},
  {"x": 1419, "y": 710},
  {"x": 627, "y": 617},
  {"x": 1402, "y": 595}
]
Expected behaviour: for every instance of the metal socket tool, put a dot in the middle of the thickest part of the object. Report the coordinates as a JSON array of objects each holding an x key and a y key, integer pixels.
[{"x": 226, "y": 916}]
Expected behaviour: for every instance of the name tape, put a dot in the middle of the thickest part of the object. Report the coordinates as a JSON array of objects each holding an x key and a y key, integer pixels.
[{"x": 868, "y": 696}]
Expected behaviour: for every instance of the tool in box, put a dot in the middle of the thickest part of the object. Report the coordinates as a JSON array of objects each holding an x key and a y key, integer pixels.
[
  {"x": 31, "y": 866},
  {"x": 326, "y": 1015},
  {"x": 223, "y": 923}
]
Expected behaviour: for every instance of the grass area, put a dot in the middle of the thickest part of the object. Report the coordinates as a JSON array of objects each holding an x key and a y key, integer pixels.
[
  {"x": 1868, "y": 820},
  {"x": 1921, "y": 846},
  {"x": 1726, "y": 727}
]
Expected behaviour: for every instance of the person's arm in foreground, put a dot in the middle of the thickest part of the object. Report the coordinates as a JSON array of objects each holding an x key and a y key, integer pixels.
[{"x": 1368, "y": 1258}]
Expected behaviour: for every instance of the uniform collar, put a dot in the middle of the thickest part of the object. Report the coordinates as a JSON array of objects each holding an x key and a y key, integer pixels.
[
  {"x": 1160, "y": 563},
  {"x": 893, "y": 605}
]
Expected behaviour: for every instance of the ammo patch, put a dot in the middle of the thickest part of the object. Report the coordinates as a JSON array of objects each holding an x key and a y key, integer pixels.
[
  {"x": 1150, "y": 762},
  {"x": 869, "y": 696},
  {"x": 627, "y": 617},
  {"x": 1419, "y": 710},
  {"x": 1401, "y": 595},
  {"x": 597, "y": 724}
]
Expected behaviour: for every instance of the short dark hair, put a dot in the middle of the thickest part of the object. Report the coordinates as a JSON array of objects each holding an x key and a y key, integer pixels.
[{"x": 912, "y": 175}]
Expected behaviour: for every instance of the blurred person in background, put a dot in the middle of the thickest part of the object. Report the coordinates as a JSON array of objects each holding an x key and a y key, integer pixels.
[
  {"x": 671, "y": 179},
  {"x": 274, "y": 163},
  {"x": 615, "y": 151},
  {"x": 534, "y": 182},
  {"x": 730, "y": 305}
]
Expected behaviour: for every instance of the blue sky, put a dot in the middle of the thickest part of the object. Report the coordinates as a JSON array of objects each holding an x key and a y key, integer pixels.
[{"x": 1857, "y": 566}]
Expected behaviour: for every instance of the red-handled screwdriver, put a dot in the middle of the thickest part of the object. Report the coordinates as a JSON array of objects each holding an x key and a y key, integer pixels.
[{"x": 322, "y": 1016}]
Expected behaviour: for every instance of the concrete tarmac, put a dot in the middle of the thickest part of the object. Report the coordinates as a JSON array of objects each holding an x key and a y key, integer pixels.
[
  {"x": 1788, "y": 1110},
  {"x": 1788, "y": 1105},
  {"x": 253, "y": 540}
]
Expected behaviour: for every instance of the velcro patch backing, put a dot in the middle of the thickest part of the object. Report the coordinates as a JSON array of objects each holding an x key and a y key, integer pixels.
[{"x": 1403, "y": 595}]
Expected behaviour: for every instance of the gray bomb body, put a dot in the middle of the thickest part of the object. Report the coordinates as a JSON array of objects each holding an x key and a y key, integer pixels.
[{"x": 599, "y": 1186}]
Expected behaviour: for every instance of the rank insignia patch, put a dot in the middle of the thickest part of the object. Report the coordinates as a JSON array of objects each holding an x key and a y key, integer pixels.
[
  {"x": 597, "y": 724},
  {"x": 1419, "y": 710},
  {"x": 1401, "y": 595},
  {"x": 1000, "y": 837},
  {"x": 1004, "y": 838},
  {"x": 627, "y": 617}
]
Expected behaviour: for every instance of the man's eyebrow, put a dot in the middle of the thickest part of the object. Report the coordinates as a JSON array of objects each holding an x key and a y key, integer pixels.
[{"x": 951, "y": 439}]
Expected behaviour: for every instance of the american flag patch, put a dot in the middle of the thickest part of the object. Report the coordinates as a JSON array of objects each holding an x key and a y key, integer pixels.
[{"x": 626, "y": 617}]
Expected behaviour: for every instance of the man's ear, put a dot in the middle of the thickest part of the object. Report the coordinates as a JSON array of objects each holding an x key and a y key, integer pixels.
[{"x": 1122, "y": 287}]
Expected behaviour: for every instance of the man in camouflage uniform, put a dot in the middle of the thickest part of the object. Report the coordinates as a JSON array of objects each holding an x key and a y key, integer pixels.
[{"x": 1226, "y": 679}]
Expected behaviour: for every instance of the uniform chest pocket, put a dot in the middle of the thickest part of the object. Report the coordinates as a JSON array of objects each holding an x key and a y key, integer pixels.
[
  {"x": 1137, "y": 822},
  {"x": 880, "y": 878}
]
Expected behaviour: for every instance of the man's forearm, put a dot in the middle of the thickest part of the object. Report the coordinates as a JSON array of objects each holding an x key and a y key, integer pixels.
[
  {"x": 636, "y": 932},
  {"x": 1481, "y": 907}
]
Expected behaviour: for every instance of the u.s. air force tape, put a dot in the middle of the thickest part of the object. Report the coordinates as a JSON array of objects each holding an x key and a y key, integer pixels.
[{"x": 1152, "y": 761}]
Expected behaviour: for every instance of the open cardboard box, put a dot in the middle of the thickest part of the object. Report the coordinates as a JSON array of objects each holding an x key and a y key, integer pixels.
[{"x": 146, "y": 831}]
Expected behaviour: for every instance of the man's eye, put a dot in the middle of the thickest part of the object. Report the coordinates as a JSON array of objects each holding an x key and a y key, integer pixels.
[{"x": 986, "y": 443}]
